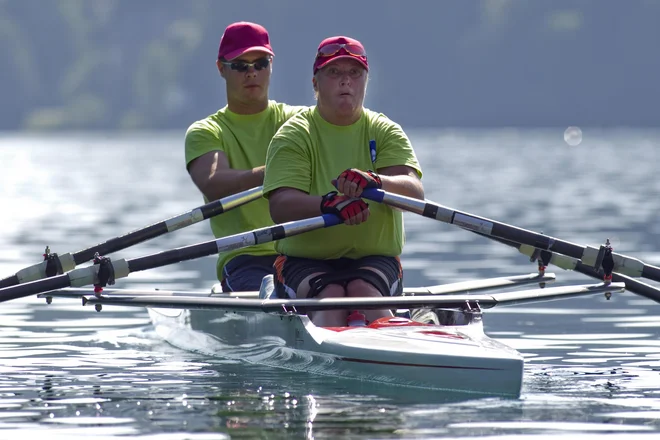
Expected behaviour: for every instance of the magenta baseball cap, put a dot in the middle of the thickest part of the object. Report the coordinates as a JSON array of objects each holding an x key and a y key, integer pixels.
[
  {"x": 335, "y": 48},
  {"x": 243, "y": 37}
]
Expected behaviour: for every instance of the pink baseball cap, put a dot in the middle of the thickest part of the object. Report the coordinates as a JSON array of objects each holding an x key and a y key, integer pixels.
[
  {"x": 243, "y": 37},
  {"x": 334, "y": 48}
]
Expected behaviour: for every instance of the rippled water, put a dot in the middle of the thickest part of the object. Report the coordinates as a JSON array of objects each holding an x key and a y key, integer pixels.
[{"x": 592, "y": 366}]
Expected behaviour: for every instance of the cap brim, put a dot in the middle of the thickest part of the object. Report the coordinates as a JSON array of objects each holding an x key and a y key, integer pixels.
[
  {"x": 237, "y": 53},
  {"x": 350, "y": 57}
]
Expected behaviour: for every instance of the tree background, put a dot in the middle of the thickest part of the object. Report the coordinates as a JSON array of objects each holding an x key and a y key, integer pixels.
[{"x": 149, "y": 64}]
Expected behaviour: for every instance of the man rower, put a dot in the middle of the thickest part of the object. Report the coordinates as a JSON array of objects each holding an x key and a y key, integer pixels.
[
  {"x": 226, "y": 151},
  {"x": 320, "y": 162}
]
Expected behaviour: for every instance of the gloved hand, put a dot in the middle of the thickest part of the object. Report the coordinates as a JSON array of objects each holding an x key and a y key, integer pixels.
[
  {"x": 352, "y": 210},
  {"x": 352, "y": 181}
]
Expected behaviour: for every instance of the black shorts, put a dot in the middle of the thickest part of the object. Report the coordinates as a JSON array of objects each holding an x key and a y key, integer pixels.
[
  {"x": 244, "y": 273},
  {"x": 291, "y": 271}
]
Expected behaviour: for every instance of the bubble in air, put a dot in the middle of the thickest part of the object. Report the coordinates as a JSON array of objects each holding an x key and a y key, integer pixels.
[{"x": 573, "y": 136}]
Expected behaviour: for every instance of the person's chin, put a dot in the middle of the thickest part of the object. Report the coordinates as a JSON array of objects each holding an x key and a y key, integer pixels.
[
  {"x": 346, "y": 101},
  {"x": 254, "y": 92}
]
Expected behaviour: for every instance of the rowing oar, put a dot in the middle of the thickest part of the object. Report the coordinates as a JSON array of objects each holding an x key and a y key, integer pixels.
[
  {"x": 104, "y": 271},
  {"x": 568, "y": 263},
  {"x": 55, "y": 264},
  {"x": 589, "y": 256}
]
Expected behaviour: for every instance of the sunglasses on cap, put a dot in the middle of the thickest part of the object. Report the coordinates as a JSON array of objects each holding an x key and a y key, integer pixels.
[
  {"x": 331, "y": 49},
  {"x": 243, "y": 66}
]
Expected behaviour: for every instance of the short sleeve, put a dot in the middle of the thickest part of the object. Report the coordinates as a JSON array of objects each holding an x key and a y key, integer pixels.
[
  {"x": 288, "y": 163},
  {"x": 201, "y": 138},
  {"x": 394, "y": 146}
]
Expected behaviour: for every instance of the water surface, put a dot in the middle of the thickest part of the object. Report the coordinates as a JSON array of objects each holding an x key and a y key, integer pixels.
[{"x": 592, "y": 365}]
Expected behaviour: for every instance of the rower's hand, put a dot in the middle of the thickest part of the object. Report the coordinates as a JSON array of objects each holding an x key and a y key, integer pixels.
[
  {"x": 353, "y": 181},
  {"x": 352, "y": 210}
]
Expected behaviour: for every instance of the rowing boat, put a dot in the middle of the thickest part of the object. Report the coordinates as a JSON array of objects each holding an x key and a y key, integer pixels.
[{"x": 435, "y": 341}]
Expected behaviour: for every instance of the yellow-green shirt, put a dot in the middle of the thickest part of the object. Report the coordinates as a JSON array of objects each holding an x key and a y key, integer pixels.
[
  {"x": 308, "y": 152},
  {"x": 244, "y": 139}
]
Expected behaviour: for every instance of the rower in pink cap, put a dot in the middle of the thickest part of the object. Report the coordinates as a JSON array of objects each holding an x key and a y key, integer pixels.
[
  {"x": 319, "y": 162},
  {"x": 226, "y": 151}
]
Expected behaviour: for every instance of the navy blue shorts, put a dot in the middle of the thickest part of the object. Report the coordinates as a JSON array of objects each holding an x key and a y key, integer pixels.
[
  {"x": 291, "y": 271},
  {"x": 244, "y": 273}
]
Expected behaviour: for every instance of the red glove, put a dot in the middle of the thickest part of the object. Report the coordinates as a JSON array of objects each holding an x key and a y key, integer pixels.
[
  {"x": 364, "y": 179},
  {"x": 343, "y": 206}
]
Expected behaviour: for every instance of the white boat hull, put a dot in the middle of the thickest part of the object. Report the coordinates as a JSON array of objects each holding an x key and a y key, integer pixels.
[{"x": 457, "y": 358}]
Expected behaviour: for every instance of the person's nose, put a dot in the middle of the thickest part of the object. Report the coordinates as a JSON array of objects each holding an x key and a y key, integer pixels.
[{"x": 251, "y": 72}]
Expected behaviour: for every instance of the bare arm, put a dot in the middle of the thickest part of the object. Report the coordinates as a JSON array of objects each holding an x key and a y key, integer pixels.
[
  {"x": 289, "y": 204},
  {"x": 403, "y": 180},
  {"x": 215, "y": 179}
]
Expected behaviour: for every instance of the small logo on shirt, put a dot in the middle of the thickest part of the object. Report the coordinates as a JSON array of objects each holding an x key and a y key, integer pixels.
[{"x": 372, "y": 150}]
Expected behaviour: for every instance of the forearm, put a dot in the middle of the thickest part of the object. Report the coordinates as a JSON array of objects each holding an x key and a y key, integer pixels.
[
  {"x": 288, "y": 204},
  {"x": 404, "y": 185},
  {"x": 228, "y": 181}
]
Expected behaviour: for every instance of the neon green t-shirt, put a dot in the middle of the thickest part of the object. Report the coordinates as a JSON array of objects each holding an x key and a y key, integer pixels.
[
  {"x": 244, "y": 139},
  {"x": 308, "y": 152}
]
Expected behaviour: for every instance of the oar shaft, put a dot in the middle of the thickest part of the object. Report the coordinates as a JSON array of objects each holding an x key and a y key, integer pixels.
[
  {"x": 86, "y": 276},
  {"x": 180, "y": 221},
  {"x": 569, "y": 263},
  {"x": 9, "y": 281},
  {"x": 32, "y": 287},
  {"x": 633, "y": 285},
  {"x": 263, "y": 235},
  {"x": 69, "y": 261},
  {"x": 172, "y": 256},
  {"x": 587, "y": 254}
]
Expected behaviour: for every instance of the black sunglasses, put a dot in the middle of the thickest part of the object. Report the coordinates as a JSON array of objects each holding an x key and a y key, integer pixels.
[{"x": 243, "y": 66}]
